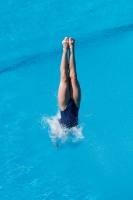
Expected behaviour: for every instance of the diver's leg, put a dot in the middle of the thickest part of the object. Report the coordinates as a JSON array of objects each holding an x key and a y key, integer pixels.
[
  {"x": 74, "y": 84},
  {"x": 63, "y": 92}
]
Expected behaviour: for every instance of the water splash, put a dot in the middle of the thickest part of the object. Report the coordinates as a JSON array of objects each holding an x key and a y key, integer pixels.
[{"x": 59, "y": 134}]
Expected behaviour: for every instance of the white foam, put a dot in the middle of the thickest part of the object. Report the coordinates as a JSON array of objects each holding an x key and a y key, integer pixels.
[{"x": 59, "y": 134}]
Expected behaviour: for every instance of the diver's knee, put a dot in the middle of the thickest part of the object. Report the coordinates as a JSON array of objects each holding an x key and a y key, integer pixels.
[
  {"x": 73, "y": 77},
  {"x": 65, "y": 77}
]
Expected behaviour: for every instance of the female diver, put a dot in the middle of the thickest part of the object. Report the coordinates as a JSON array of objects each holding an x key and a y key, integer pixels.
[{"x": 69, "y": 93}]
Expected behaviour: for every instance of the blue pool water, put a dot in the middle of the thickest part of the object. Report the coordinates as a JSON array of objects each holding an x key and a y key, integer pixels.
[{"x": 96, "y": 161}]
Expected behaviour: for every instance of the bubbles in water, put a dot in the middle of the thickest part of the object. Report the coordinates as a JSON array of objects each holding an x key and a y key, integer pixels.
[{"x": 59, "y": 134}]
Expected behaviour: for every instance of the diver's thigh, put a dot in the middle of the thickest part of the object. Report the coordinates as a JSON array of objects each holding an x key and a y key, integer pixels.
[
  {"x": 63, "y": 95},
  {"x": 75, "y": 92}
]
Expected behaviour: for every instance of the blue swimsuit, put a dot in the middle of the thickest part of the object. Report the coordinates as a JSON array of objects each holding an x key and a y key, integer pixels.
[{"x": 69, "y": 117}]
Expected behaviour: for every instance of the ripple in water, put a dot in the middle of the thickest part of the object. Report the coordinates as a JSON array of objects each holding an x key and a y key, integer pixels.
[{"x": 59, "y": 134}]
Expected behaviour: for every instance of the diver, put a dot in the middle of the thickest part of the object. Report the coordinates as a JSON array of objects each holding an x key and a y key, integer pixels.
[{"x": 69, "y": 93}]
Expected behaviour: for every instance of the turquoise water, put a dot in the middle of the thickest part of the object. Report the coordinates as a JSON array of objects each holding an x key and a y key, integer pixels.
[{"x": 95, "y": 163}]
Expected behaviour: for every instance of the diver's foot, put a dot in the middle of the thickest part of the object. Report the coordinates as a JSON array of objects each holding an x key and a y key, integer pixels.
[
  {"x": 65, "y": 44},
  {"x": 71, "y": 44}
]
